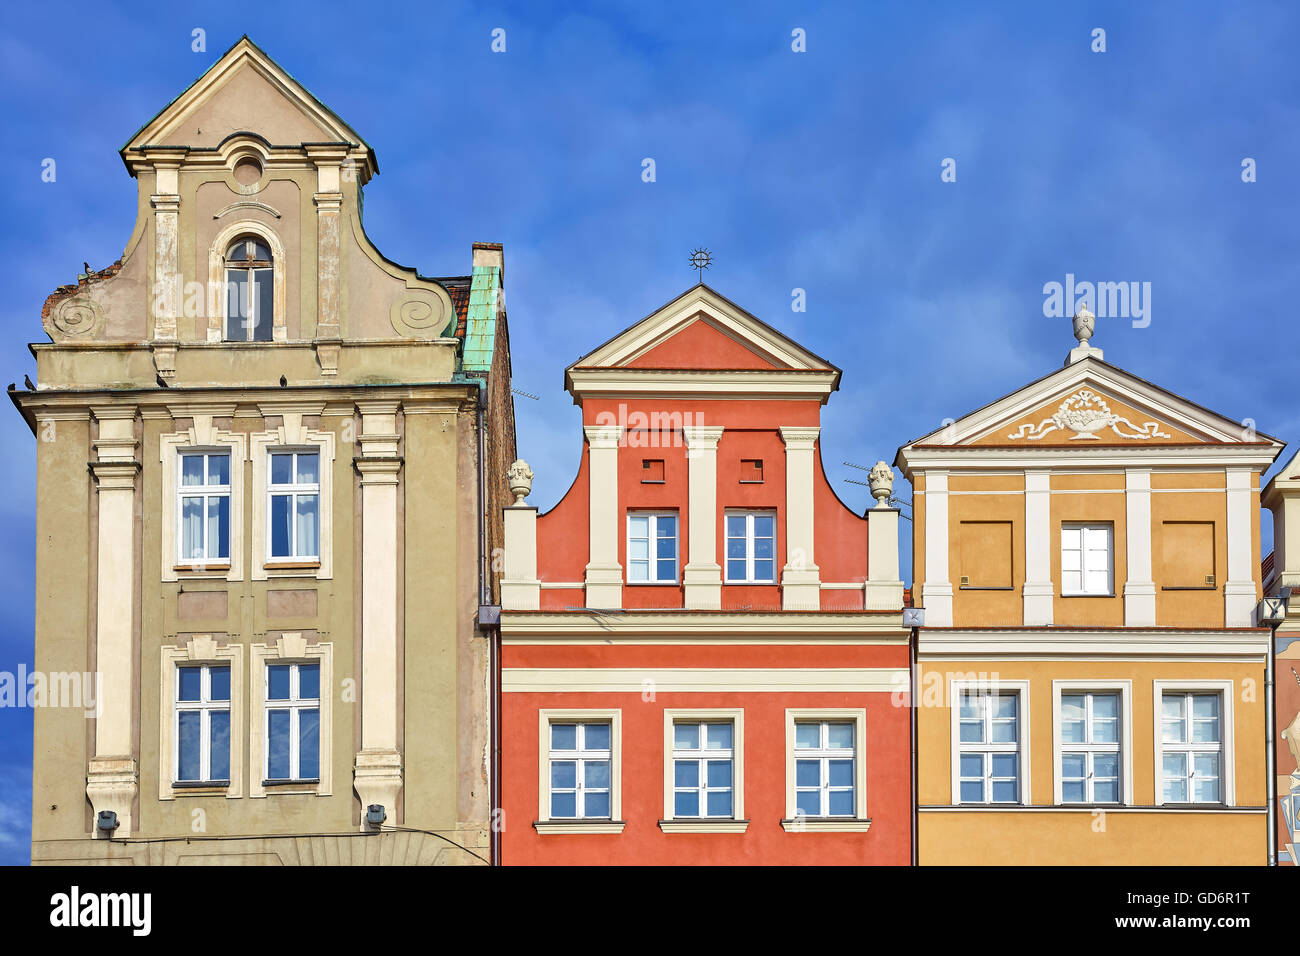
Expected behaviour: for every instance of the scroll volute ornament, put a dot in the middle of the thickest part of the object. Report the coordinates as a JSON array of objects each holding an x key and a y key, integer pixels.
[{"x": 520, "y": 479}]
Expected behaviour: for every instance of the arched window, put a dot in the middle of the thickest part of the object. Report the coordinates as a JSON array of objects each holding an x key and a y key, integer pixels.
[{"x": 250, "y": 310}]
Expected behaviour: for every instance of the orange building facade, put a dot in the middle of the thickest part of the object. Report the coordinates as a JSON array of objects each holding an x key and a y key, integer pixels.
[
  {"x": 702, "y": 650},
  {"x": 1091, "y": 685}
]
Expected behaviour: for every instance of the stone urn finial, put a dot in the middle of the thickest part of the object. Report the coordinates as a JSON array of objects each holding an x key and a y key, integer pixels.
[
  {"x": 1084, "y": 324},
  {"x": 881, "y": 480},
  {"x": 520, "y": 477}
]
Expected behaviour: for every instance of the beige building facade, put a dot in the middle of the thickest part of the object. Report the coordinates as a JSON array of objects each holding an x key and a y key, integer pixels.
[{"x": 267, "y": 457}]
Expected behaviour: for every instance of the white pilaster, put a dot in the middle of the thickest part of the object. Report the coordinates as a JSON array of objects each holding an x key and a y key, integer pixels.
[
  {"x": 112, "y": 779},
  {"x": 936, "y": 591},
  {"x": 604, "y": 574},
  {"x": 702, "y": 574},
  {"x": 1139, "y": 589},
  {"x": 520, "y": 588},
  {"x": 800, "y": 578},
  {"x": 883, "y": 590},
  {"x": 378, "y": 770},
  {"x": 1239, "y": 595},
  {"x": 1039, "y": 591}
]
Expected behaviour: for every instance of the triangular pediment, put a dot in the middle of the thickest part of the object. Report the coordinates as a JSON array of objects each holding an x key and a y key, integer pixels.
[
  {"x": 244, "y": 91},
  {"x": 1091, "y": 403},
  {"x": 703, "y": 331}
]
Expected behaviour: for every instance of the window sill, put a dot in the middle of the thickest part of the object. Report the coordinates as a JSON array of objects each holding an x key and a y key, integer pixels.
[
  {"x": 653, "y": 584},
  {"x": 765, "y": 584},
  {"x": 751, "y": 481},
  {"x": 826, "y": 825},
  {"x": 653, "y": 481},
  {"x": 198, "y": 788},
  {"x": 291, "y": 565},
  {"x": 562, "y": 827},
  {"x": 202, "y": 568},
  {"x": 1082, "y": 594},
  {"x": 291, "y": 786},
  {"x": 704, "y": 825}
]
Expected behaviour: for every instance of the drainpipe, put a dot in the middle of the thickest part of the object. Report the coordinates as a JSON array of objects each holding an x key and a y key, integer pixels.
[
  {"x": 1270, "y": 755},
  {"x": 493, "y": 635},
  {"x": 912, "y": 700}
]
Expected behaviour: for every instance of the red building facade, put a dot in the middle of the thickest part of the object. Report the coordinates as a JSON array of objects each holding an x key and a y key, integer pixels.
[{"x": 703, "y": 657}]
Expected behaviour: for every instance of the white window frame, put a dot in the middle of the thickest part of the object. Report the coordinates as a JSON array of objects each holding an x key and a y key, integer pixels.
[
  {"x": 653, "y": 560},
  {"x": 295, "y": 704},
  {"x": 1083, "y": 527},
  {"x": 749, "y": 546},
  {"x": 205, "y": 706},
  {"x": 204, "y": 492},
  {"x": 987, "y": 748},
  {"x": 859, "y": 822},
  {"x": 292, "y": 491},
  {"x": 736, "y": 823},
  {"x": 289, "y": 647},
  {"x": 956, "y": 688},
  {"x": 292, "y": 434},
  {"x": 217, "y": 290},
  {"x": 202, "y": 436},
  {"x": 1226, "y": 690},
  {"x": 199, "y": 649},
  {"x": 545, "y": 823},
  {"x": 1125, "y": 690}
]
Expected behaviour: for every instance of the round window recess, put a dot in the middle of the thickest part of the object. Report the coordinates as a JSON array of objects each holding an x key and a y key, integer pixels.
[{"x": 248, "y": 171}]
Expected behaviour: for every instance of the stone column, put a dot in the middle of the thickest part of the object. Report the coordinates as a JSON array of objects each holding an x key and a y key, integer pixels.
[
  {"x": 702, "y": 574},
  {"x": 604, "y": 574},
  {"x": 378, "y": 771},
  {"x": 329, "y": 201},
  {"x": 1239, "y": 595},
  {"x": 800, "y": 578},
  {"x": 936, "y": 592},
  {"x": 166, "y": 294},
  {"x": 1139, "y": 589},
  {"x": 1039, "y": 592},
  {"x": 112, "y": 777}
]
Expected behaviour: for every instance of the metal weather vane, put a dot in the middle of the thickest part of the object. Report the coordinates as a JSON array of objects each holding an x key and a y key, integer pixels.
[{"x": 701, "y": 260}]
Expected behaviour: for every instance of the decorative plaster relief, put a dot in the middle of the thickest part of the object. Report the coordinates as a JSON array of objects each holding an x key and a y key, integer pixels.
[{"x": 1085, "y": 413}]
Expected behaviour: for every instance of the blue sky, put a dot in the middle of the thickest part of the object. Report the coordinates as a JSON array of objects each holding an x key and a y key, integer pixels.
[{"x": 817, "y": 170}]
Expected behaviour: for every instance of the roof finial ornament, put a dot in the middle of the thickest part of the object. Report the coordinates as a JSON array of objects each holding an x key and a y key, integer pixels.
[
  {"x": 1085, "y": 323},
  {"x": 701, "y": 260}
]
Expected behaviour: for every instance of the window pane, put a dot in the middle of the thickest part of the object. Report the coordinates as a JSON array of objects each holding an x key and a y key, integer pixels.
[
  {"x": 666, "y": 569},
  {"x": 218, "y": 469},
  {"x": 666, "y": 547},
  {"x": 1097, "y": 582},
  {"x": 219, "y": 731},
  {"x": 219, "y": 678},
  {"x": 564, "y": 774},
  {"x": 281, "y": 526},
  {"x": 308, "y": 743},
  {"x": 277, "y": 744},
  {"x": 718, "y": 736},
  {"x": 1173, "y": 731},
  {"x": 807, "y": 736},
  {"x": 638, "y": 549},
  {"x": 840, "y": 736},
  {"x": 718, "y": 773},
  {"x": 972, "y": 765},
  {"x": 264, "y": 317},
  {"x": 308, "y": 681},
  {"x": 841, "y": 803},
  {"x": 809, "y": 803},
  {"x": 282, "y": 468},
  {"x": 1205, "y": 789},
  {"x": 1005, "y": 705},
  {"x": 639, "y": 571},
  {"x": 308, "y": 526},
  {"x": 277, "y": 682},
  {"x": 1070, "y": 538},
  {"x": 764, "y": 570},
  {"x": 763, "y": 547},
  {"x": 597, "y": 805},
  {"x": 597, "y": 737},
  {"x": 1172, "y": 706},
  {"x": 719, "y": 804},
  {"x": 686, "y": 804},
  {"x": 1205, "y": 731},
  {"x": 1005, "y": 791},
  {"x": 972, "y": 791},
  {"x": 1205, "y": 705},
  {"x": 1004, "y": 731},
  {"x": 638, "y": 526},
  {"x": 189, "y": 683},
  {"x": 736, "y": 527},
  {"x": 1005, "y": 765},
  {"x": 686, "y": 773},
  {"x": 972, "y": 731},
  {"x": 1175, "y": 790},
  {"x": 1105, "y": 705},
  {"x": 564, "y": 736},
  {"x": 218, "y": 526},
  {"x": 191, "y": 528},
  {"x": 1072, "y": 765},
  {"x": 596, "y": 774},
  {"x": 763, "y": 526},
  {"x": 1072, "y": 791},
  {"x": 735, "y": 570},
  {"x": 191, "y": 469},
  {"x": 564, "y": 804},
  {"x": 1105, "y": 765},
  {"x": 308, "y": 468},
  {"x": 1105, "y": 791},
  {"x": 686, "y": 736},
  {"x": 968, "y": 705},
  {"x": 807, "y": 773},
  {"x": 1105, "y": 731},
  {"x": 1206, "y": 765},
  {"x": 666, "y": 527},
  {"x": 238, "y": 305},
  {"x": 841, "y": 773},
  {"x": 188, "y": 739},
  {"x": 1071, "y": 581}
]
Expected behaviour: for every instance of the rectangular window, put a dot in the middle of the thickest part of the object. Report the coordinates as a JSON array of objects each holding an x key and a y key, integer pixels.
[
  {"x": 203, "y": 507},
  {"x": 824, "y": 757},
  {"x": 293, "y": 492},
  {"x": 652, "y": 548},
  {"x": 580, "y": 762},
  {"x": 1090, "y": 747},
  {"x": 988, "y": 747},
  {"x": 703, "y": 769},
  {"x": 1191, "y": 743},
  {"x": 1086, "y": 564},
  {"x": 292, "y": 722},
  {"x": 751, "y": 548},
  {"x": 203, "y": 723}
]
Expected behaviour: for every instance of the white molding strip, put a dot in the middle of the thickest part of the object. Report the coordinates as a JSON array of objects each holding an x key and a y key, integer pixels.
[{"x": 703, "y": 679}]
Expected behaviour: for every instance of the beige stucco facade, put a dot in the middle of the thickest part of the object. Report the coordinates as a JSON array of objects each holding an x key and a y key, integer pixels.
[{"x": 365, "y": 366}]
